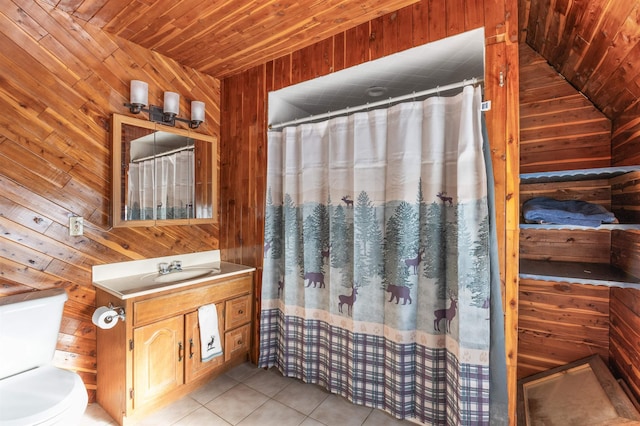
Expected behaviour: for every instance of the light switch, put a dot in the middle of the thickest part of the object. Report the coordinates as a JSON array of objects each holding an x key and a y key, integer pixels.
[{"x": 76, "y": 224}]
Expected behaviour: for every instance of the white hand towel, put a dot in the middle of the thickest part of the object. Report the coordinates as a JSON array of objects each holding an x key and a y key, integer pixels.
[{"x": 210, "y": 343}]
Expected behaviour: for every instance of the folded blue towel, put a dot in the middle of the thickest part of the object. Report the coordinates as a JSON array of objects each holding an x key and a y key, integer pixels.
[{"x": 565, "y": 212}]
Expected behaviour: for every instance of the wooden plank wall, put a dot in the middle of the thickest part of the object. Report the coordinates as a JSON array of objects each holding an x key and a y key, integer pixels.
[
  {"x": 625, "y": 143},
  {"x": 592, "y": 43},
  {"x": 624, "y": 348},
  {"x": 560, "y": 130},
  {"x": 559, "y": 323},
  {"x": 244, "y": 112},
  {"x": 60, "y": 82},
  {"x": 624, "y": 332}
]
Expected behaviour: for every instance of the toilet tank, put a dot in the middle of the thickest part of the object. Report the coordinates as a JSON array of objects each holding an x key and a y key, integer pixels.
[{"x": 29, "y": 326}]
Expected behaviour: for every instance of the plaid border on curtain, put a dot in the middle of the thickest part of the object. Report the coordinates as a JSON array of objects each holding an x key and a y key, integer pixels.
[
  {"x": 474, "y": 391},
  {"x": 385, "y": 375}
]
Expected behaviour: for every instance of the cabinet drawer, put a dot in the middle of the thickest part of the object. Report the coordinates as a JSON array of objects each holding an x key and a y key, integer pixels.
[
  {"x": 237, "y": 312},
  {"x": 236, "y": 342},
  {"x": 184, "y": 301}
]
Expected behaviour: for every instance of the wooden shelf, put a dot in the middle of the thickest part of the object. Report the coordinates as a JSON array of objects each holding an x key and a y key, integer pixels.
[
  {"x": 603, "y": 227},
  {"x": 578, "y": 273},
  {"x": 576, "y": 175}
]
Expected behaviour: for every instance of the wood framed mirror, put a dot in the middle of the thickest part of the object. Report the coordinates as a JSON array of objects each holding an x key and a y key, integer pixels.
[{"x": 161, "y": 175}]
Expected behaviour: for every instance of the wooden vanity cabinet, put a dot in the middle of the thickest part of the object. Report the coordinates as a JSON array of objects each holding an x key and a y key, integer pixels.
[{"x": 154, "y": 358}]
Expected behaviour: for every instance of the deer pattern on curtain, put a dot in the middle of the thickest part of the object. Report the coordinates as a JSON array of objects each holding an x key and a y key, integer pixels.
[{"x": 376, "y": 259}]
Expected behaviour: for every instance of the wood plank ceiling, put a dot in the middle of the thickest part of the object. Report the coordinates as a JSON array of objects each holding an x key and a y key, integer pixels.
[
  {"x": 594, "y": 44},
  {"x": 221, "y": 38}
]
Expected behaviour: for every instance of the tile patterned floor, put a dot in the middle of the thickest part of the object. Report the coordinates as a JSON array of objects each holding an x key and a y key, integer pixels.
[{"x": 249, "y": 396}]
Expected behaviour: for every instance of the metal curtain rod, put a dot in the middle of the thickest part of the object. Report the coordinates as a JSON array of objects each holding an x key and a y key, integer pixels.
[
  {"x": 164, "y": 154},
  {"x": 349, "y": 110}
]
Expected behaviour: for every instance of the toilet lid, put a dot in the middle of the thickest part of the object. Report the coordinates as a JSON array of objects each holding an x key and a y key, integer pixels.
[{"x": 40, "y": 394}]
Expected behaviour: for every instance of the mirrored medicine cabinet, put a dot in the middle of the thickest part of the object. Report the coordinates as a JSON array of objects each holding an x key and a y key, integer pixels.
[{"x": 161, "y": 175}]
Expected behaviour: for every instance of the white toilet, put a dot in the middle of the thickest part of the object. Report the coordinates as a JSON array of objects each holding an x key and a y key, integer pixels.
[{"x": 32, "y": 390}]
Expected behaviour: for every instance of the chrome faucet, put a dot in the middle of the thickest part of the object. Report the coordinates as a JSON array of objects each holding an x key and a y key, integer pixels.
[{"x": 165, "y": 268}]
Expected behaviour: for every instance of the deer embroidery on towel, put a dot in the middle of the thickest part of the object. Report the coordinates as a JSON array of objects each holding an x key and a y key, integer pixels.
[
  {"x": 347, "y": 300},
  {"x": 347, "y": 200},
  {"x": 447, "y": 314},
  {"x": 414, "y": 262},
  {"x": 444, "y": 198},
  {"x": 399, "y": 291},
  {"x": 211, "y": 342}
]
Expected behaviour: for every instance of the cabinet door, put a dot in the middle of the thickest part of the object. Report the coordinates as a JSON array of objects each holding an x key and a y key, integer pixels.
[
  {"x": 158, "y": 356},
  {"x": 194, "y": 366}
]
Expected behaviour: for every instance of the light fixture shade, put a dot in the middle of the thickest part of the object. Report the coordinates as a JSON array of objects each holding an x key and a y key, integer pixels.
[
  {"x": 197, "y": 111},
  {"x": 139, "y": 93},
  {"x": 171, "y": 103}
]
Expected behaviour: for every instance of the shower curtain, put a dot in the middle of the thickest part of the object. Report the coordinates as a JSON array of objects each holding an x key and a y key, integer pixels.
[
  {"x": 378, "y": 257},
  {"x": 161, "y": 187}
]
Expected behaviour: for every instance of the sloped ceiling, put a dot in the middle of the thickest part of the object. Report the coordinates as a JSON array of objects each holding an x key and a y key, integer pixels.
[
  {"x": 594, "y": 44},
  {"x": 223, "y": 37}
]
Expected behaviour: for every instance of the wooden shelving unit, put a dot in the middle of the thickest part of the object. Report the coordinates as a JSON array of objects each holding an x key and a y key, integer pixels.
[{"x": 593, "y": 183}]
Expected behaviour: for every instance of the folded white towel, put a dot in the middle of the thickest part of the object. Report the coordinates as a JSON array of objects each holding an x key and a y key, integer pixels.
[{"x": 210, "y": 343}]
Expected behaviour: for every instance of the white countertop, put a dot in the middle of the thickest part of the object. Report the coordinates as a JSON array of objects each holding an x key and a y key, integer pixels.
[{"x": 136, "y": 277}]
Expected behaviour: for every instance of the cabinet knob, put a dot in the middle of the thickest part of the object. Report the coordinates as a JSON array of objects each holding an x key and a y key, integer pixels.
[
  {"x": 240, "y": 311},
  {"x": 180, "y": 352},
  {"x": 190, "y": 348}
]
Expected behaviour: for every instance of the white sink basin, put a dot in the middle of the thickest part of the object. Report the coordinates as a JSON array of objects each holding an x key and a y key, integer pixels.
[
  {"x": 176, "y": 276},
  {"x": 134, "y": 278}
]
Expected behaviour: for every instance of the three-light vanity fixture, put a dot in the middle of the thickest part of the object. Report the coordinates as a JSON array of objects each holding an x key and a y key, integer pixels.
[{"x": 168, "y": 113}]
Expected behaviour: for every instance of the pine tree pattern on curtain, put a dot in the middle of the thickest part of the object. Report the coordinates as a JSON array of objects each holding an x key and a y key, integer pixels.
[{"x": 376, "y": 259}]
